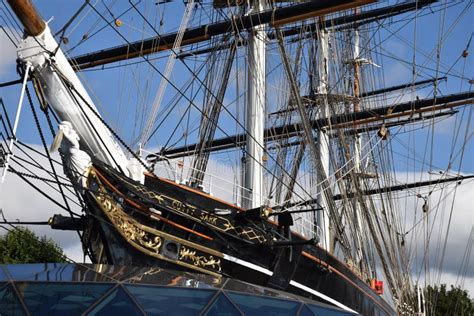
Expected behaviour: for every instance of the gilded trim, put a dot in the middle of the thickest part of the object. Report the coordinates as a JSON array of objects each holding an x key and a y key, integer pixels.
[
  {"x": 200, "y": 261},
  {"x": 197, "y": 214},
  {"x": 150, "y": 241}
]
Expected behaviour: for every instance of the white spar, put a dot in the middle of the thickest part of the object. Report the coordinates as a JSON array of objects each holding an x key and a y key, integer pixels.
[{"x": 72, "y": 105}]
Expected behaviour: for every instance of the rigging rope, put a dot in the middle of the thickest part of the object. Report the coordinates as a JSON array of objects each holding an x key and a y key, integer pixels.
[{"x": 166, "y": 74}]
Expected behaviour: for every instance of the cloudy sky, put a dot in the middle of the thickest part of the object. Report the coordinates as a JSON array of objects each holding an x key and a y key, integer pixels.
[{"x": 453, "y": 213}]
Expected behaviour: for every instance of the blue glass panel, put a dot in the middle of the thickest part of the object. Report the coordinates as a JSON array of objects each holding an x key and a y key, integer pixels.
[
  {"x": 319, "y": 310},
  {"x": 3, "y": 275},
  {"x": 9, "y": 303},
  {"x": 55, "y": 272},
  {"x": 260, "y": 305},
  {"x": 156, "y": 276},
  {"x": 305, "y": 311},
  {"x": 117, "y": 303},
  {"x": 222, "y": 307},
  {"x": 242, "y": 287},
  {"x": 41, "y": 271},
  {"x": 60, "y": 298},
  {"x": 172, "y": 301}
]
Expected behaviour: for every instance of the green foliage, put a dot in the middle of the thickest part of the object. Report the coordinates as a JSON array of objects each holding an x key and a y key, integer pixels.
[
  {"x": 448, "y": 302},
  {"x": 21, "y": 245}
]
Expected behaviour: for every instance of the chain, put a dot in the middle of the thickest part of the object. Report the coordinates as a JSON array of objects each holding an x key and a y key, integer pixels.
[{"x": 32, "y": 176}]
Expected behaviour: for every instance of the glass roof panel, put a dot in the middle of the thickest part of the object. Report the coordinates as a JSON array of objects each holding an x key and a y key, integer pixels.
[
  {"x": 157, "y": 276},
  {"x": 320, "y": 310},
  {"x": 75, "y": 287},
  {"x": 55, "y": 272},
  {"x": 41, "y": 271},
  {"x": 43, "y": 298},
  {"x": 128, "y": 273},
  {"x": 116, "y": 303},
  {"x": 3, "y": 275},
  {"x": 305, "y": 311},
  {"x": 166, "y": 300},
  {"x": 222, "y": 306},
  {"x": 260, "y": 305},
  {"x": 239, "y": 286},
  {"x": 9, "y": 302}
]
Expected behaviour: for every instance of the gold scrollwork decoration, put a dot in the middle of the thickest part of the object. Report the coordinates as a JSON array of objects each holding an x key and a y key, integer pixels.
[
  {"x": 129, "y": 229},
  {"x": 247, "y": 233},
  {"x": 150, "y": 241},
  {"x": 200, "y": 261}
]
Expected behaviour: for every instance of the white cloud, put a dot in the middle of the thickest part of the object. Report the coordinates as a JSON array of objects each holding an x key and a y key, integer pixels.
[
  {"x": 7, "y": 54},
  {"x": 19, "y": 201},
  {"x": 444, "y": 202}
]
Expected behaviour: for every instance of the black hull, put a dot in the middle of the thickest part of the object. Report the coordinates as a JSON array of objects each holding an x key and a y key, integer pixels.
[{"x": 171, "y": 226}]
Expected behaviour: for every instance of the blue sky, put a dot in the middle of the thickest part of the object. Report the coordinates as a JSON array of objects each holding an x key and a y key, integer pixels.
[{"x": 116, "y": 88}]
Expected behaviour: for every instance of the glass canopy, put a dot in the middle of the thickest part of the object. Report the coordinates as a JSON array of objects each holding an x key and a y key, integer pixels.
[{"x": 74, "y": 289}]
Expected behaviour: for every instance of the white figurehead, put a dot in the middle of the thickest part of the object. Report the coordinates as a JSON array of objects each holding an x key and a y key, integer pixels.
[{"x": 77, "y": 162}]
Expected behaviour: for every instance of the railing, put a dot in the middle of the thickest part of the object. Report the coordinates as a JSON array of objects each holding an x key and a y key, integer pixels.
[
  {"x": 307, "y": 228},
  {"x": 226, "y": 189}
]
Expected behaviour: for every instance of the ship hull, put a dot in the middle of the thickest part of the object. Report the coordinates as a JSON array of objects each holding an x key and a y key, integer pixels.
[{"x": 172, "y": 226}]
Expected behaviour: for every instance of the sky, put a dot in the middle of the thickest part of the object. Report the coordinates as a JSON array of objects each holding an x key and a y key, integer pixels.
[{"x": 115, "y": 93}]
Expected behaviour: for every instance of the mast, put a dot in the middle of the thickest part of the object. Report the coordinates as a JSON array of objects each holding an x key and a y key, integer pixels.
[
  {"x": 357, "y": 148},
  {"x": 253, "y": 175},
  {"x": 29, "y": 17},
  {"x": 323, "y": 140}
]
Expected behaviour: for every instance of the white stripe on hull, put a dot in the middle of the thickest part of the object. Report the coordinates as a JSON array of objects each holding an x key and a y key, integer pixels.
[{"x": 294, "y": 283}]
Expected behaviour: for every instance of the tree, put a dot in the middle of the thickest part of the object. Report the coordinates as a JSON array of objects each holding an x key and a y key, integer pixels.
[
  {"x": 456, "y": 301},
  {"x": 21, "y": 245}
]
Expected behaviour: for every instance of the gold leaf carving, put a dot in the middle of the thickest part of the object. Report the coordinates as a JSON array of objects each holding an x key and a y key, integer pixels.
[
  {"x": 149, "y": 240},
  {"x": 128, "y": 228},
  {"x": 200, "y": 261}
]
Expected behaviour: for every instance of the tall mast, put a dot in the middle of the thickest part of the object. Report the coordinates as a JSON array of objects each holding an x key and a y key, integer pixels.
[
  {"x": 323, "y": 140},
  {"x": 357, "y": 146},
  {"x": 253, "y": 175}
]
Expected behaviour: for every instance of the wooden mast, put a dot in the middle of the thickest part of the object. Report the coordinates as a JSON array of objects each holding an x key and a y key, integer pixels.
[{"x": 29, "y": 16}]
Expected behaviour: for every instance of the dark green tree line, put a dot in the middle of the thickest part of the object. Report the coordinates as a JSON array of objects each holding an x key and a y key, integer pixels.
[
  {"x": 21, "y": 245},
  {"x": 454, "y": 301}
]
